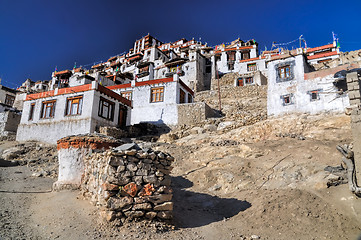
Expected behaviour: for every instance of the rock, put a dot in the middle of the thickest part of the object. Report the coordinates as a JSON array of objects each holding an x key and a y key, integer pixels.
[
  {"x": 115, "y": 162},
  {"x": 152, "y": 155},
  {"x": 12, "y": 153},
  {"x": 120, "y": 169},
  {"x": 127, "y": 146},
  {"x": 165, "y": 215},
  {"x": 150, "y": 179},
  {"x": 215, "y": 188},
  {"x": 138, "y": 180},
  {"x": 132, "y": 167},
  {"x": 131, "y": 189},
  {"x": 197, "y": 130},
  {"x": 161, "y": 198},
  {"x": 132, "y": 152},
  {"x": 210, "y": 127},
  {"x": 150, "y": 215},
  {"x": 166, "y": 182},
  {"x": 224, "y": 125},
  {"x": 134, "y": 214},
  {"x": 119, "y": 203},
  {"x": 142, "y": 172},
  {"x": 109, "y": 187},
  {"x": 118, "y": 180},
  {"x": 142, "y": 206},
  {"x": 167, "y": 206},
  {"x": 108, "y": 215}
]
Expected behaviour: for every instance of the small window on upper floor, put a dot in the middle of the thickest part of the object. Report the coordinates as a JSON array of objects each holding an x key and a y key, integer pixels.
[
  {"x": 284, "y": 71},
  {"x": 9, "y": 99},
  {"x": 127, "y": 95},
  {"x": 252, "y": 67}
]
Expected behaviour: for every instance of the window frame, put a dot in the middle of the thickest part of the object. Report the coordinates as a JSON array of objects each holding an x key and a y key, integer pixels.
[
  {"x": 317, "y": 92},
  {"x": 154, "y": 97},
  {"x": 31, "y": 111},
  {"x": 111, "y": 106},
  {"x": 127, "y": 95},
  {"x": 182, "y": 96},
  {"x": 281, "y": 70},
  {"x": 251, "y": 67},
  {"x": 247, "y": 81},
  {"x": 289, "y": 97},
  {"x": 68, "y": 111},
  {"x": 44, "y": 107},
  {"x": 9, "y": 99}
]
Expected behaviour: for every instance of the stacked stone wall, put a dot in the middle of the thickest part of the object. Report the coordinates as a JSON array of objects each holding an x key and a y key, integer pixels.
[
  {"x": 194, "y": 113},
  {"x": 129, "y": 184}
]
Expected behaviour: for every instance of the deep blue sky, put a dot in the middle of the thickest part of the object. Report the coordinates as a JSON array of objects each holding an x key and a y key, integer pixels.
[{"x": 38, "y": 35}]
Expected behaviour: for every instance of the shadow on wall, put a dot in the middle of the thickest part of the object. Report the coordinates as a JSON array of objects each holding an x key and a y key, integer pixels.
[{"x": 193, "y": 209}]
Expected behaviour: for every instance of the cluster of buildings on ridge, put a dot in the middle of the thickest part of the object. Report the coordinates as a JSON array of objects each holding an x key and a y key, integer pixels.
[{"x": 152, "y": 80}]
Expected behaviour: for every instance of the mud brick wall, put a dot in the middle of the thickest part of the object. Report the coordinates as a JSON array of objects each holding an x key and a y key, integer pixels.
[{"x": 129, "y": 184}]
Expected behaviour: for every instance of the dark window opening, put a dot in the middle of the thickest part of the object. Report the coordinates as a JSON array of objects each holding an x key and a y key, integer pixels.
[
  {"x": 31, "y": 112},
  {"x": 286, "y": 99},
  {"x": 249, "y": 80},
  {"x": 190, "y": 98},
  {"x": 106, "y": 109},
  {"x": 9, "y": 100},
  {"x": 208, "y": 69},
  {"x": 182, "y": 96},
  {"x": 245, "y": 55}
]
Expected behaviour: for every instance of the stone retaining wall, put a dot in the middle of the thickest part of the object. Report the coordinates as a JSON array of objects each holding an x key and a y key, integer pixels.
[
  {"x": 193, "y": 113},
  {"x": 129, "y": 184}
]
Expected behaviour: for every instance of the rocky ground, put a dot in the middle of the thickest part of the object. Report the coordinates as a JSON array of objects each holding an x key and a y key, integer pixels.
[
  {"x": 263, "y": 181},
  {"x": 242, "y": 176}
]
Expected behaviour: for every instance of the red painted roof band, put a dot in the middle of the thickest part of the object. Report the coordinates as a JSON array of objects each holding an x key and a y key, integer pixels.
[
  {"x": 252, "y": 59},
  {"x": 320, "y": 48},
  {"x": 76, "y": 89},
  {"x": 321, "y": 55}
]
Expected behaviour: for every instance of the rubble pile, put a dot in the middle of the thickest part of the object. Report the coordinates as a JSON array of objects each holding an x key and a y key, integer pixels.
[
  {"x": 41, "y": 157},
  {"x": 129, "y": 184}
]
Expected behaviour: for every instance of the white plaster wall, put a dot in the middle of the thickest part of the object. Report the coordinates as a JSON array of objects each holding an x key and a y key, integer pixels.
[
  {"x": 74, "y": 81},
  {"x": 99, "y": 121},
  {"x": 165, "y": 112},
  {"x": 329, "y": 100},
  {"x": 275, "y": 90},
  {"x": 71, "y": 165}
]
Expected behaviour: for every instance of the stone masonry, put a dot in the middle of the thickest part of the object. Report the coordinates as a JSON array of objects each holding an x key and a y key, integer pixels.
[
  {"x": 71, "y": 153},
  {"x": 353, "y": 85},
  {"x": 129, "y": 184}
]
